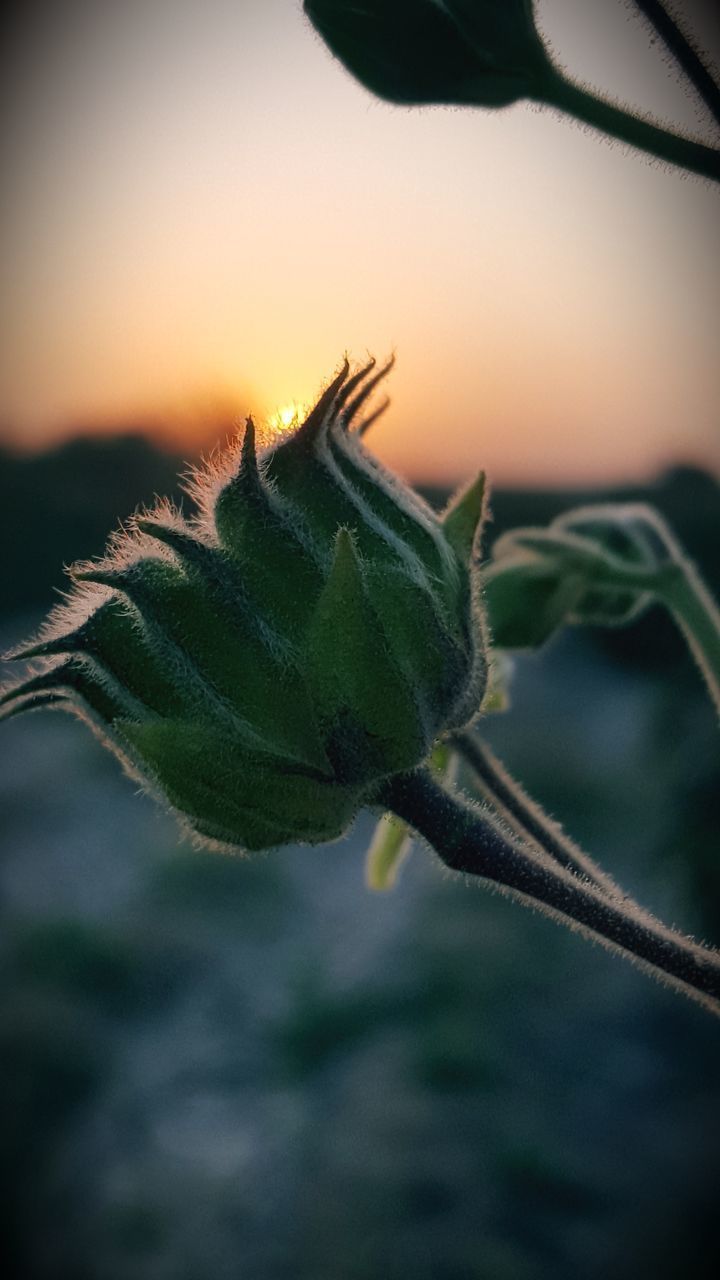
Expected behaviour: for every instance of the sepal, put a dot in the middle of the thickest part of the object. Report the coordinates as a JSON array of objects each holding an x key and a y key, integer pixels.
[
  {"x": 364, "y": 703},
  {"x": 268, "y": 663},
  {"x": 464, "y": 518},
  {"x": 232, "y": 795}
]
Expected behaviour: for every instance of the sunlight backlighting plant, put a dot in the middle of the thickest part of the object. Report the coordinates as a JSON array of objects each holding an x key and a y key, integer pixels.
[
  {"x": 264, "y": 666},
  {"x": 314, "y": 640}
]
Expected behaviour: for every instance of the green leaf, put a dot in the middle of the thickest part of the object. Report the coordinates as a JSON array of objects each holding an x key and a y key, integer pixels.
[
  {"x": 419, "y": 51},
  {"x": 527, "y": 601}
]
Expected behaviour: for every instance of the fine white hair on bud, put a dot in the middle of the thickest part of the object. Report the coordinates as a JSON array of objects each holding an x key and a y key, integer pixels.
[{"x": 265, "y": 666}]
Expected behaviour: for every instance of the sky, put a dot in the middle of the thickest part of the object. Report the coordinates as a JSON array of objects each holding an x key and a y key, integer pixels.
[{"x": 202, "y": 211}]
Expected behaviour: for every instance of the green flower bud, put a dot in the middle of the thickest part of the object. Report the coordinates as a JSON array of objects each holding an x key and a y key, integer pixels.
[
  {"x": 263, "y": 666},
  {"x": 469, "y": 52}
]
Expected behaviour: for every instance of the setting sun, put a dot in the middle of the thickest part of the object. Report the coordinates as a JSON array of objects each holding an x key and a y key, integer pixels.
[
  {"x": 287, "y": 418},
  {"x": 519, "y": 265}
]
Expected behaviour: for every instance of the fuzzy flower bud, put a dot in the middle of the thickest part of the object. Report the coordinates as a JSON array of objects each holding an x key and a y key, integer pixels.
[{"x": 263, "y": 666}]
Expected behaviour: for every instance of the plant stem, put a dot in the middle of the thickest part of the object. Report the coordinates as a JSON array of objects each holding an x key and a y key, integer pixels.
[
  {"x": 466, "y": 840},
  {"x": 683, "y": 52},
  {"x": 683, "y": 591},
  {"x": 524, "y": 815},
  {"x": 556, "y": 91},
  {"x": 677, "y": 585}
]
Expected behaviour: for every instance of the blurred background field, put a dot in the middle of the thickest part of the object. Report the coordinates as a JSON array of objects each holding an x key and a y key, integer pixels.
[{"x": 218, "y": 1068}]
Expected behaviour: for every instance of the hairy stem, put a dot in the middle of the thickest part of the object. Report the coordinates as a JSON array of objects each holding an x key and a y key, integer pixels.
[
  {"x": 524, "y": 815},
  {"x": 466, "y": 840},
  {"x": 685, "y": 55},
  {"x": 629, "y": 128},
  {"x": 683, "y": 591}
]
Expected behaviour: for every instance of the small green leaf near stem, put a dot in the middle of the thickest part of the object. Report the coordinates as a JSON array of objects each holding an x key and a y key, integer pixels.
[{"x": 388, "y": 850}]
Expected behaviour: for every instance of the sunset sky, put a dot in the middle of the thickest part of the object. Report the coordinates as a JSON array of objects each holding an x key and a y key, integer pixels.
[{"x": 202, "y": 211}]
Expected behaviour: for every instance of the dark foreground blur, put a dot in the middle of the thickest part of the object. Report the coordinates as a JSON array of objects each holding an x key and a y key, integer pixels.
[{"x": 228, "y": 1069}]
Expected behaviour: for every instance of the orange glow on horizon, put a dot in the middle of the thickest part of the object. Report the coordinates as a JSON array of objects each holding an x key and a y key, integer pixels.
[{"x": 184, "y": 245}]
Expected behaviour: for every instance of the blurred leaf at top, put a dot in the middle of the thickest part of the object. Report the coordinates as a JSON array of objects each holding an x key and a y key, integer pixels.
[{"x": 466, "y": 52}]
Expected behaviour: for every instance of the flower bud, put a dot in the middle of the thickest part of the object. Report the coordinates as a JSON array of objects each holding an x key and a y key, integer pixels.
[
  {"x": 469, "y": 52},
  {"x": 265, "y": 665}
]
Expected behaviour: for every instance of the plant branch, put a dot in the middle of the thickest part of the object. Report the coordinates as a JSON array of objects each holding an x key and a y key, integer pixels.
[
  {"x": 674, "y": 582},
  {"x": 524, "y": 815},
  {"x": 671, "y": 147},
  {"x": 466, "y": 840},
  {"x": 684, "y": 593},
  {"x": 679, "y": 587},
  {"x": 685, "y": 55}
]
